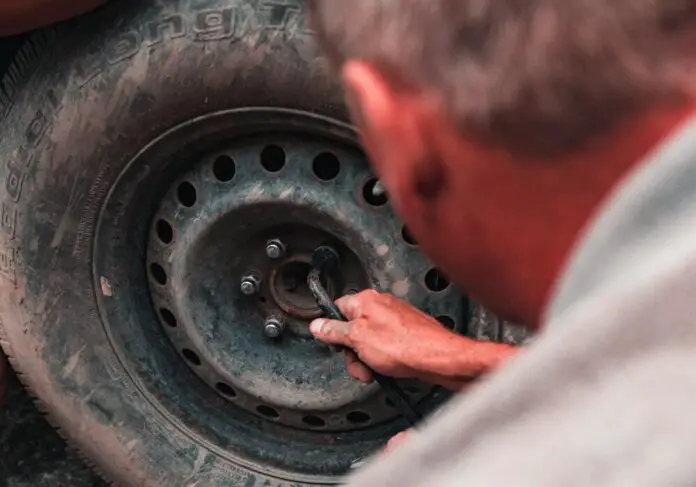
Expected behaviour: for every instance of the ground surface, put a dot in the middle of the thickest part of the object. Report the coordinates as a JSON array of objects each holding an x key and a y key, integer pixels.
[{"x": 31, "y": 452}]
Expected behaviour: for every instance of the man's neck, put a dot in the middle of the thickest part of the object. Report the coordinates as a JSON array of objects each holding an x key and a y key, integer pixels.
[{"x": 613, "y": 157}]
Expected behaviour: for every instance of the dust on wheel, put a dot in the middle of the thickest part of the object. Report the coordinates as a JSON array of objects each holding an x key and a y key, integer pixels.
[{"x": 171, "y": 167}]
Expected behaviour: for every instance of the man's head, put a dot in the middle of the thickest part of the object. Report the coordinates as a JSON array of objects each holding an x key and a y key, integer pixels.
[{"x": 497, "y": 126}]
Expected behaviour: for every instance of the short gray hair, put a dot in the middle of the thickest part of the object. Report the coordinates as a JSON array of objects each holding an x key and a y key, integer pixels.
[{"x": 534, "y": 76}]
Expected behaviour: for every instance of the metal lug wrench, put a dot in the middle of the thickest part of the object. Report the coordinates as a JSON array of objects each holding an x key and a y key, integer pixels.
[{"x": 325, "y": 260}]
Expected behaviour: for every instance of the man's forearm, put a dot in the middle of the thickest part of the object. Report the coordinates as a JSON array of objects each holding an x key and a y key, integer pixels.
[{"x": 460, "y": 359}]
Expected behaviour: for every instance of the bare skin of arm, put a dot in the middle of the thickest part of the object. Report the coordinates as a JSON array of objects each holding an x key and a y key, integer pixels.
[
  {"x": 20, "y": 16},
  {"x": 397, "y": 340}
]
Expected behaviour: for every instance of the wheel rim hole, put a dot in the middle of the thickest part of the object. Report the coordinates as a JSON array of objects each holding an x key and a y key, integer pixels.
[
  {"x": 273, "y": 158},
  {"x": 389, "y": 403},
  {"x": 370, "y": 196},
  {"x": 158, "y": 274},
  {"x": 165, "y": 232},
  {"x": 314, "y": 421},
  {"x": 436, "y": 281},
  {"x": 224, "y": 169},
  {"x": 446, "y": 321},
  {"x": 408, "y": 236},
  {"x": 268, "y": 412},
  {"x": 187, "y": 194},
  {"x": 326, "y": 166},
  {"x": 191, "y": 356},
  {"x": 225, "y": 389},
  {"x": 358, "y": 417},
  {"x": 168, "y": 317}
]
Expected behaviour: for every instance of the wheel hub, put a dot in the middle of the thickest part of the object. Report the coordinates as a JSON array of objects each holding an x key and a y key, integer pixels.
[{"x": 290, "y": 291}]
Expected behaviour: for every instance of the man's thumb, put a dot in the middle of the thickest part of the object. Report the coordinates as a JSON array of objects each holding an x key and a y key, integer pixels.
[{"x": 331, "y": 331}]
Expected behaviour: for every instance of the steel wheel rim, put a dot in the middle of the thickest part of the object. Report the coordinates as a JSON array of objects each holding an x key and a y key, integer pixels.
[{"x": 128, "y": 330}]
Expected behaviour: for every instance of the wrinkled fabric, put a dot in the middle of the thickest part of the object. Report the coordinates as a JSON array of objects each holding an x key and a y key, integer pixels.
[{"x": 606, "y": 394}]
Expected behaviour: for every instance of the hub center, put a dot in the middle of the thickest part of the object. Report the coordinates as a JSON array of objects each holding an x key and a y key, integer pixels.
[{"x": 289, "y": 288}]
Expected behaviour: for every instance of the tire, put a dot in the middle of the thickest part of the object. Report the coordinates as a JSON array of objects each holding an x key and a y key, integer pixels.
[{"x": 80, "y": 102}]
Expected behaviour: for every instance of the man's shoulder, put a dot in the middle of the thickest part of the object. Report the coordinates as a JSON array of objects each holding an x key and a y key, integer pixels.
[{"x": 647, "y": 224}]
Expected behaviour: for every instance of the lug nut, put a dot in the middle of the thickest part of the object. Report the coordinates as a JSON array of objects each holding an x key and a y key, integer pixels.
[
  {"x": 250, "y": 284},
  {"x": 274, "y": 327},
  {"x": 275, "y": 249}
]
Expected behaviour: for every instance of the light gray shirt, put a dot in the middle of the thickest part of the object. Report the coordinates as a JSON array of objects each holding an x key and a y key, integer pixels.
[{"x": 606, "y": 395}]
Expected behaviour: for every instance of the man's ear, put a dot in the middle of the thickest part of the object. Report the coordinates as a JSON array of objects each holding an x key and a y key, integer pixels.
[
  {"x": 394, "y": 125},
  {"x": 374, "y": 107},
  {"x": 370, "y": 97}
]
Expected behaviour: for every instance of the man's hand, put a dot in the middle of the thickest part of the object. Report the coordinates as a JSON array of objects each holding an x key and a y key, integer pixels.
[
  {"x": 398, "y": 440},
  {"x": 387, "y": 333},
  {"x": 397, "y": 340}
]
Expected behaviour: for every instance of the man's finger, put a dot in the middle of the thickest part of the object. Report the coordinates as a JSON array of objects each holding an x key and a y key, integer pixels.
[
  {"x": 356, "y": 368},
  {"x": 349, "y": 306},
  {"x": 331, "y": 331},
  {"x": 398, "y": 440}
]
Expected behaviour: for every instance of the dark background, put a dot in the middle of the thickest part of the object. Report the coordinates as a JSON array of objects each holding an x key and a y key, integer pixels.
[
  {"x": 8, "y": 46},
  {"x": 32, "y": 454}
]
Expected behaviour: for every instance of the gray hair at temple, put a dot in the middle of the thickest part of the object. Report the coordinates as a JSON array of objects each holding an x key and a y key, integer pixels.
[{"x": 534, "y": 76}]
